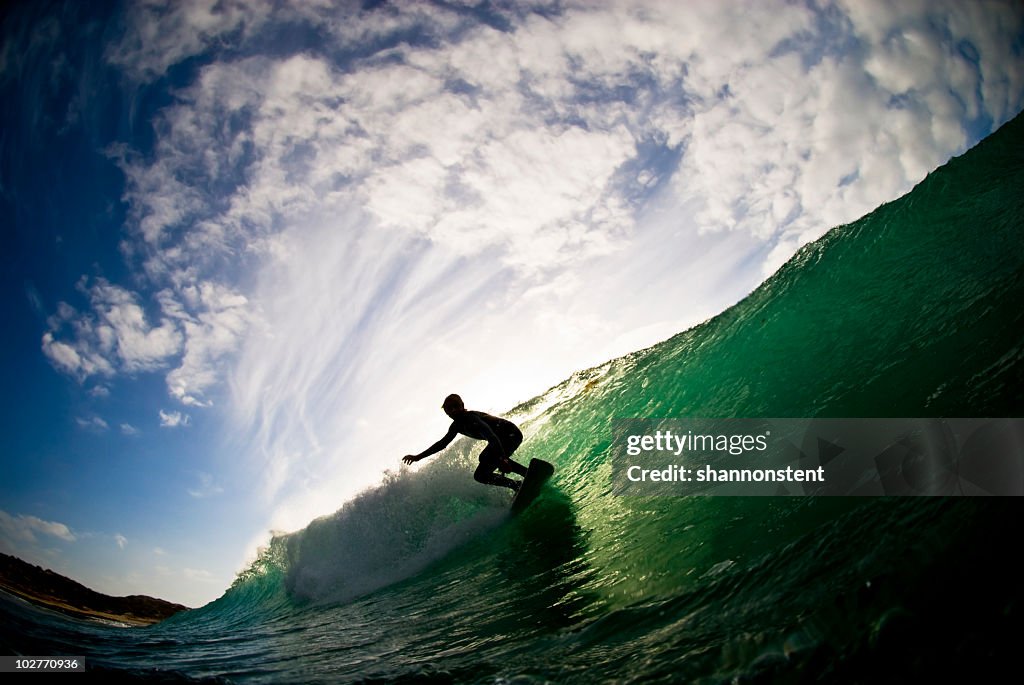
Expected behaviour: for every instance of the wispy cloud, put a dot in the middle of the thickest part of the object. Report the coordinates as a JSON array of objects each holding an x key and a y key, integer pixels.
[
  {"x": 121, "y": 540},
  {"x": 35, "y": 300},
  {"x": 207, "y": 487},
  {"x": 173, "y": 419},
  {"x": 24, "y": 528},
  {"x": 161, "y": 34},
  {"x": 199, "y": 575},
  {"x": 128, "y": 429},
  {"x": 92, "y": 423}
]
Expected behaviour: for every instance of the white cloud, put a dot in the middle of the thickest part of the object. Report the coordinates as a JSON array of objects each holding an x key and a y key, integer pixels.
[
  {"x": 201, "y": 323},
  {"x": 66, "y": 358},
  {"x": 122, "y": 328},
  {"x": 200, "y": 575},
  {"x": 221, "y": 318},
  {"x": 161, "y": 34},
  {"x": 115, "y": 334},
  {"x": 93, "y": 423},
  {"x": 207, "y": 487},
  {"x": 24, "y": 529},
  {"x": 129, "y": 429},
  {"x": 121, "y": 540},
  {"x": 173, "y": 419},
  {"x": 789, "y": 152}
]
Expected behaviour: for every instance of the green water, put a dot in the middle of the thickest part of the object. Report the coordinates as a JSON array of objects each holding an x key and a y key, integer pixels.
[{"x": 915, "y": 310}]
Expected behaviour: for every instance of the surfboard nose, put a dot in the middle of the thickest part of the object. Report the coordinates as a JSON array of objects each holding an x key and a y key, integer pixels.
[{"x": 536, "y": 474}]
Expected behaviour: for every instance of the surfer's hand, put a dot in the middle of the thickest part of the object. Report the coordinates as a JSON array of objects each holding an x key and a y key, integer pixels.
[{"x": 409, "y": 458}]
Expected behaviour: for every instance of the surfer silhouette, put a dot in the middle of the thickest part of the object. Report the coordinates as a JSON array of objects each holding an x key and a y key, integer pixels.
[{"x": 502, "y": 436}]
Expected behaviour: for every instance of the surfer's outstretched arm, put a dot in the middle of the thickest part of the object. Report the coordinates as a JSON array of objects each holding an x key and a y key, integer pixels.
[{"x": 433, "y": 449}]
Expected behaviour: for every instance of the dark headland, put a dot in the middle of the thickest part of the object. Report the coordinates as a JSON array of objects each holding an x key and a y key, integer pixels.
[{"x": 54, "y": 591}]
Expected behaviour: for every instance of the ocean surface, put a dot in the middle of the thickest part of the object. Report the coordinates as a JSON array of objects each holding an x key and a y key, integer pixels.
[{"x": 916, "y": 310}]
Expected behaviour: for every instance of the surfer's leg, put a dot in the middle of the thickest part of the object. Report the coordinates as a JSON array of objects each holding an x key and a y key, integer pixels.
[
  {"x": 517, "y": 468},
  {"x": 485, "y": 472},
  {"x": 511, "y": 446}
]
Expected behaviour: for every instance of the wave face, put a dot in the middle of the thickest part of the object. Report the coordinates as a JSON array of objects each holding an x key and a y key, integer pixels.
[{"x": 914, "y": 310}]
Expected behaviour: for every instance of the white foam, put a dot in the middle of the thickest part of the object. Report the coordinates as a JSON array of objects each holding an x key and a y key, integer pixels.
[{"x": 393, "y": 531}]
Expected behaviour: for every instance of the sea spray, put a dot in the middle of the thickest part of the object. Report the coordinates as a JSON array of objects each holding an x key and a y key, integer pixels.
[{"x": 387, "y": 533}]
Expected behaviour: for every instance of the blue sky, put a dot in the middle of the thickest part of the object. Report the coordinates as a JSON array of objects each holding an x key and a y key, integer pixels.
[{"x": 250, "y": 246}]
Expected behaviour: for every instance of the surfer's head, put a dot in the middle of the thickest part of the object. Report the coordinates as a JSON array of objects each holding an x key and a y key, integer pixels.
[{"x": 453, "y": 405}]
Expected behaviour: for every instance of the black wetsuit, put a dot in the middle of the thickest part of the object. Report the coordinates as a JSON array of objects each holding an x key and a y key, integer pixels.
[{"x": 481, "y": 426}]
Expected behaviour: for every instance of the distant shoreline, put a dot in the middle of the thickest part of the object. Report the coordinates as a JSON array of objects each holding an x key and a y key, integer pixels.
[{"x": 51, "y": 590}]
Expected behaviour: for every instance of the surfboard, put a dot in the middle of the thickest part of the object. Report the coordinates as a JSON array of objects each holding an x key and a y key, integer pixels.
[{"x": 536, "y": 473}]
